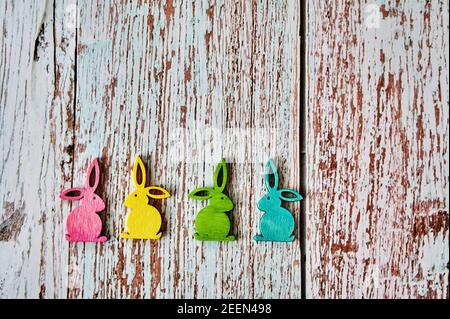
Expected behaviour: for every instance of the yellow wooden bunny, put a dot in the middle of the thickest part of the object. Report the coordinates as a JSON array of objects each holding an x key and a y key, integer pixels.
[{"x": 144, "y": 220}]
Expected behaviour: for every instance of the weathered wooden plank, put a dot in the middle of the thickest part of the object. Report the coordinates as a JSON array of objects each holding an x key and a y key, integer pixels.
[
  {"x": 276, "y": 74},
  {"x": 377, "y": 149},
  {"x": 35, "y": 141},
  {"x": 176, "y": 83}
]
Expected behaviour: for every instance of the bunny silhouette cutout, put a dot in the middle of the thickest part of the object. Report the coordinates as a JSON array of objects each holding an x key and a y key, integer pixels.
[
  {"x": 277, "y": 223},
  {"x": 212, "y": 222},
  {"x": 83, "y": 223},
  {"x": 143, "y": 220}
]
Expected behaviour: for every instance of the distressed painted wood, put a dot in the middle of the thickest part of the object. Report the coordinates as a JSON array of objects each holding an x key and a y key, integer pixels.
[
  {"x": 377, "y": 149},
  {"x": 36, "y": 99},
  {"x": 78, "y": 78},
  {"x": 210, "y": 79}
]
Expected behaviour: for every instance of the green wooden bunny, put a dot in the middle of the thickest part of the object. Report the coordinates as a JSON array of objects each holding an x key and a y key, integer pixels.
[{"x": 212, "y": 222}]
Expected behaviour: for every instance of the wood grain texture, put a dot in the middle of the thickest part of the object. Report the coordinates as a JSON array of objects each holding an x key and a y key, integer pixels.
[
  {"x": 114, "y": 79},
  {"x": 36, "y": 118},
  {"x": 377, "y": 150},
  {"x": 212, "y": 79}
]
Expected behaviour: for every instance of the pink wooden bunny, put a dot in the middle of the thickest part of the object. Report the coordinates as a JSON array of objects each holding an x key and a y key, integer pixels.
[{"x": 83, "y": 223}]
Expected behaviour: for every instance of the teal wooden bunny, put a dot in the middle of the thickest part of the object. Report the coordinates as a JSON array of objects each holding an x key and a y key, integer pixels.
[
  {"x": 277, "y": 223},
  {"x": 212, "y": 222}
]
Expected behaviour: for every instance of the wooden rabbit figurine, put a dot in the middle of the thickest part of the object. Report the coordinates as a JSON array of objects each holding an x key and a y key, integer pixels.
[
  {"x": 83, "y": 223},
  {"x": 277, "y": 223},
  {"x": 143, "y": 221},
  {"x": 212, "y": 222}
]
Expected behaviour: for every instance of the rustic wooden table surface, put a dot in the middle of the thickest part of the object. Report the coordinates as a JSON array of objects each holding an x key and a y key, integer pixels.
[{"x": 350, "y": 98}]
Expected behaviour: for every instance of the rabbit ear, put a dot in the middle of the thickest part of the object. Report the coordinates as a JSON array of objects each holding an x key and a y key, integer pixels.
[
  {"x": 271, "y": 169},
  {"x": 93, "y": 174},
  {"x": 289, "y": 195},
  {"x": 220, "y": 176},
  {"x": 72, "y": 194},
  {"x": 139, "y": 165},
  {"x": 157, "y": 192},
  {"x": 201, "y": 193}
]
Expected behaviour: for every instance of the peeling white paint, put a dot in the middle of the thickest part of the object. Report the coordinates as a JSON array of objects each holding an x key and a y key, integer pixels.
[{"x": 377, "y": 149}]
